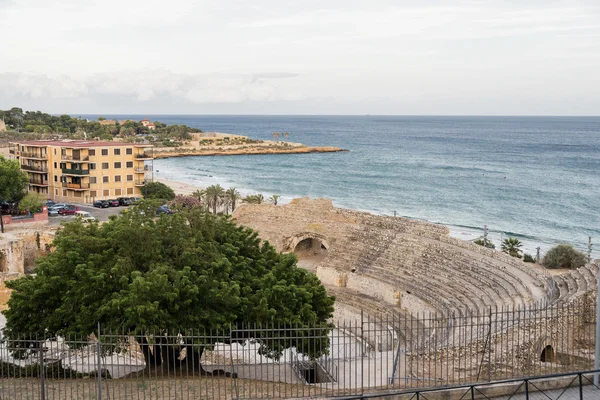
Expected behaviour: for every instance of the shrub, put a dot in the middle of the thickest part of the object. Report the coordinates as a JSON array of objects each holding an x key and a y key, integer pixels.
[
  {"x": 564, "y": 256},
  {"x": 485, "y": 242},
  {"x": 528, "y": 258},
  {"x": 32, "y": 203}
]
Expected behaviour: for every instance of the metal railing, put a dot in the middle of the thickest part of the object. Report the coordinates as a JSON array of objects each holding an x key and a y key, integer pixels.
[
  {"x": 34, "y": 155},
  {"x": 74, "y": 158},
  {"x": 143, "y": 155},
  {"x": 38, "y": 182},
  {"x": 33, "y": 168},
  {"x": 70, "y": 185},
  {"x": 73, "y": 171},
  {"x": 140, "y": 183},
  {"x": 360, "y": 357}
]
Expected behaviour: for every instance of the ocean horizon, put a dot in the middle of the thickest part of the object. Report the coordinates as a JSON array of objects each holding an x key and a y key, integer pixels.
[{"x": 531, "y": 177}]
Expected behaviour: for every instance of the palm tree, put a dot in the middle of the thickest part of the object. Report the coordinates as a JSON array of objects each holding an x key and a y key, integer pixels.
[
  {"x": 214, "y": 196},
  {"x": 512, "y": 247},
  {"x": 254, "y": 199},
  {"x": 232, "y": 196},
  {"x": 274, "y": 199}
]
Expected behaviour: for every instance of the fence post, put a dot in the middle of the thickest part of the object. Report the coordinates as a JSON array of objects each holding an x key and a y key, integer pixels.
[
  {"x": 99, "y": 370},
  {"x": 580, "y": 387},
  {"x": 42, "y": 374}
]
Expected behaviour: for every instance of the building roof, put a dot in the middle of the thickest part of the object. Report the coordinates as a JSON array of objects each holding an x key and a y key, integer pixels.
[{"x": 76, "y": 143}]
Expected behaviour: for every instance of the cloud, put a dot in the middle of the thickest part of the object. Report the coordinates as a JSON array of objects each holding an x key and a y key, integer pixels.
[{"x": 151, "y": 84}]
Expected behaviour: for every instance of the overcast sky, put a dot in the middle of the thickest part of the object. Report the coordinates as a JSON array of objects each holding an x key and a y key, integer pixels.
[{"x": 301, "y": 56}]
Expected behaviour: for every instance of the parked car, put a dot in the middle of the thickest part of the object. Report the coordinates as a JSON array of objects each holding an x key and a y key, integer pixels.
[
  {"x": 113, "y": 203},
  {"x": 101, "y": 204},
  {"x": 164, "y": 209},
  {"x": 50, "y": 203},
  {"x": 124, "y": 201},
  {"x": 56, "y": 208},
  {"x": 85, "y": 216},
  {"x": 69, "y": 209},
  {"x": 134, "y": 200}
]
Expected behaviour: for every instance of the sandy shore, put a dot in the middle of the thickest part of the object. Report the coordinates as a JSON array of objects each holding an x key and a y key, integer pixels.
[{"x": 179, "y": 187}]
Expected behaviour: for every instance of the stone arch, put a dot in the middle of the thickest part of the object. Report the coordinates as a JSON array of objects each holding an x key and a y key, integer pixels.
[
  {"x": 548, "y": 354},
  {"x": 308, "y": 243}
]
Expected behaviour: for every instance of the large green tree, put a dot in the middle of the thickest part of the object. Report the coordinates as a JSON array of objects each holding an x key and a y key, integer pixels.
[
  {"x": 215, "y": 195},
  {"x": 12, "y": 183},
  {"x": 157, "y": 190},
  {"x": 138, "y": 274}
]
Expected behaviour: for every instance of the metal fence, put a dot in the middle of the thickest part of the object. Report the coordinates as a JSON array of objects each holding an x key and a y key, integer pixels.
[{"x": 368, "y": 354}]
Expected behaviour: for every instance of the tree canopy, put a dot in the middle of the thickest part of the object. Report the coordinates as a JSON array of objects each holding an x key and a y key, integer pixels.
[
  {"x": 137, "y": 273},
  {"x": 12, "y": 180},
  {"x": 157, "y": 190}
]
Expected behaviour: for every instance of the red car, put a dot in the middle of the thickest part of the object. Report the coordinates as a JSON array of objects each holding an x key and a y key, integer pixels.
[{"x": 68, "y": 210}]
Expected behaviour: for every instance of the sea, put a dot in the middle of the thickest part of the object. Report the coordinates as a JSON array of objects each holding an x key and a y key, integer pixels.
[{"x": 533, "y": 178}]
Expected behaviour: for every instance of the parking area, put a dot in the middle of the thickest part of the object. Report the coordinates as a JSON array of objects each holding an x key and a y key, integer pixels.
[{"x": 101, "y": 213}]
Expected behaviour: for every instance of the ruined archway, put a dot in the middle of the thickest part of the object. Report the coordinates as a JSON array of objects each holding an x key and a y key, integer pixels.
[
  {"x": 548, "y": 355},
  {"x": 310, "y": 248}
]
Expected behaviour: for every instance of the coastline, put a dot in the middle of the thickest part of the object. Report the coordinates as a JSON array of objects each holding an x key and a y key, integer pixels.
[{"x": 248, "y": 151}]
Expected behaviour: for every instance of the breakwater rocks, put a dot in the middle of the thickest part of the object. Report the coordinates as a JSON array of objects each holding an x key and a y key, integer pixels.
[{"x": 246, "y": 151}]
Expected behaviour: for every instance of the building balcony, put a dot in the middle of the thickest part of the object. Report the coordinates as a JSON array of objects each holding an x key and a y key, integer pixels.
[
  {"x": 12, "y": 151},
  {"x": 37, "y": 182},
  {"x": 76, "y": 186},
  {"x": 139, "y": 170},
  {"x": 38, "y": 156},
  {"x": 140, "y": 183},
  {"x": 143, "y": 156},
  {"x": 71, "y": 171},
  {"x": 75, "y": 158},
  {"x": 31, "y": 168}
]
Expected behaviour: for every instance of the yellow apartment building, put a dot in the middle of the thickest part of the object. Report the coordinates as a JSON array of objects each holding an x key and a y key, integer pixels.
[{"x": 82, "y": 171}]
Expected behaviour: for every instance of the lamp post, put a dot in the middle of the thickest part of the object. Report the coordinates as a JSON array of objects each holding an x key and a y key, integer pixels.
[{"x": 597, "y": 344}]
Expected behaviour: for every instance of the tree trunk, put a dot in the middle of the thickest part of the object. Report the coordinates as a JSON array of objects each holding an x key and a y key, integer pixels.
[{"x": 1, "y": 221}]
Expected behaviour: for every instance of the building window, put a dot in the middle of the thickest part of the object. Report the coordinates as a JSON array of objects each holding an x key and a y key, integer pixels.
[
  {"x": 92, "y": 152},
  {"x": 54, "y": 151},
  {"x": 64, "y": 192},
  {"x": 92, "y": 165},
  {"x": 129, "y": 164},
  {"x": 105, "y": 165},
  {"x": 129, "y": 190},
  {"x": 104, "y": 152},
  {"x": 117, "y": 165},
  {"x": 77, "y": 194},
  {"x": 92, "y": 179},
  {"x": 92, "y": 193},
  {"x": 106, "y": 192},
  {"x": 117, "y": 152},
  {"x": 129, "y": 151},
  {"x": 55, "y": 178},
  {"x": 129, "y": 178},
  {"x": 117, "y": 178},
  {"x": 117, "y": 192},
  {"x": 105, "y": 179},
  {"x": 63, "y": 165},
  {"x": 56, "y": 192},
  {"x": 54, "y": 164}
]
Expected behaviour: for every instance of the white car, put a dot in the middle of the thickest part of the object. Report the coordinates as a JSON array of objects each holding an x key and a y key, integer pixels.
[{"x": 85, "y": 216}]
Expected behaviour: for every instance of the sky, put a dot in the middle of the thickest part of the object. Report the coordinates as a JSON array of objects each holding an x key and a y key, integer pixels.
[{"x": 390, "y": 57}]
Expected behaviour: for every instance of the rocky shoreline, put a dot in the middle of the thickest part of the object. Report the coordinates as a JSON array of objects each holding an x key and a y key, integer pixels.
[{"x": 247, "y": 151}]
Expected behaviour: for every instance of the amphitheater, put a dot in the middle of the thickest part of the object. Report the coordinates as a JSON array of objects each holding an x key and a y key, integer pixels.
[{"x": 434, "y": 294}]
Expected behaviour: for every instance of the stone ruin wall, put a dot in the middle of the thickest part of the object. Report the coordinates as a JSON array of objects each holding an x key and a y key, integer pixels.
[{"x": 20, "y": 249}]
